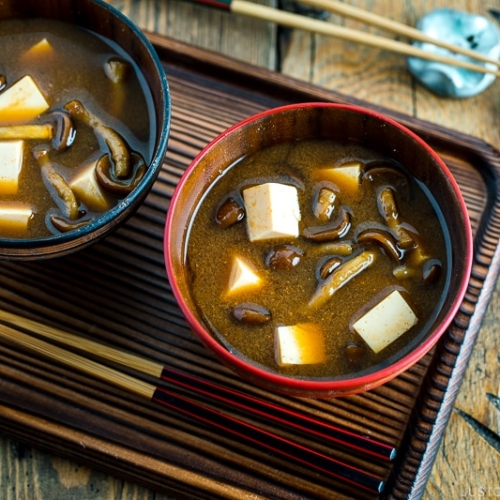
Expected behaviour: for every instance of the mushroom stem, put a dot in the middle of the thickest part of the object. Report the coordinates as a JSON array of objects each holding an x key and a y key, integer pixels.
[
  {"x": 389, "y": 211},
  {"x": 57, "y": 127},
  {"x": 344, "y": 248},
  {"x": 382, "y": 238},
  {"x": 117, "y": 146},
  {"x": 328, "y": 232},
  {"x": 109, "y": 181},
  {"x": 66, "y": 199},
  {"x": 341, "y": 276}
]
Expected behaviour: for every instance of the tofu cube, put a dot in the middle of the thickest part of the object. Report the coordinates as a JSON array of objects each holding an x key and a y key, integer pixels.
[
  {"x": 386, "y": 322},
  {"x": 11, "y": 162},
  {"x": 272, "y": 211},
  {"x": 346, "y": 176},
  {"x": 301, "y": 344},
  {"x": 14, "y": 218},
  {"x": 243, "y": 276},
  {"x": 39, "y": 51},
  {"x": 88, "y": 190},
  {"x": 22, "y": 101}
]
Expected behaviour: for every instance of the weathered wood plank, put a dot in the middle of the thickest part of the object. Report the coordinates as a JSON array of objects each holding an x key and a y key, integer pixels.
[{"x": 246, "y": 39}]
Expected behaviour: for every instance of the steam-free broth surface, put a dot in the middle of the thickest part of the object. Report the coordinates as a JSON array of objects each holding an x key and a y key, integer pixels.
[
  {"x": 71, "y": 70},
  {"x": 286, "y": 292}
]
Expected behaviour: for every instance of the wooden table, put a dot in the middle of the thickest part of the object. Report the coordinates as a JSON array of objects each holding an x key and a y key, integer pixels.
[{"x": 465, "y": 465}]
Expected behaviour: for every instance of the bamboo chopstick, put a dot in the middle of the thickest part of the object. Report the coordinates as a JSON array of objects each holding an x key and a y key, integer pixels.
[
  {"x": 275, "y": 443},
  {"x": 264, "y": 13},
  {"x": 78, "y": 362},
  {"x": 394, "y": 27},
  {"x": 280, "y": 414}
]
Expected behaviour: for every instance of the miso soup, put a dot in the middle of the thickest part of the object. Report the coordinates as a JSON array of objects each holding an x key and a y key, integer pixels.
[
  {"x": 317, "y": 258},
  {"x": 76, "y": 127}
]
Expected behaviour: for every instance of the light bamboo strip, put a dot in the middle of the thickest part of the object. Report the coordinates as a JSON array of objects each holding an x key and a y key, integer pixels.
[
  {"x": 81, "y": 363},
  {"x": 123, "y": 358}
]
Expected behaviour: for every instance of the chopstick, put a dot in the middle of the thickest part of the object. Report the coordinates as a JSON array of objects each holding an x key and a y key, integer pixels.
[
  {"x": 324, "y": 431},
  {"x": 291, "y": 20},
  {"x": 260, "y": 407},
  {"x": 239, "y": 428},
  {"x": 394, "y": 27}
]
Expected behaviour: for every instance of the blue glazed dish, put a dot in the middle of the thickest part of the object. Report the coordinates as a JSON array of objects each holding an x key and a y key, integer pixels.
[
  {"x": 106, "y": 21},
  {"x": 465, "y": 30}
]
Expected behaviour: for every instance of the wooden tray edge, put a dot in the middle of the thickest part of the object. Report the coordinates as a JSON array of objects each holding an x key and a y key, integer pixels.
[{"x": 409, "y": 481}]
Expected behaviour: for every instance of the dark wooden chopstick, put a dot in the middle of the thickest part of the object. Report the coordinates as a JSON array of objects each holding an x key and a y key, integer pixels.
[
  {"x": 238, "y": 428},
  {"x": 291, "y": 20}
]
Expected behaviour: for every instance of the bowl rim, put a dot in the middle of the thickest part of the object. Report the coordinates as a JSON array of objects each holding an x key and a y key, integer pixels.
[
  {"x": 52, "y": 244},
  {"x": 347, "y": 385}
]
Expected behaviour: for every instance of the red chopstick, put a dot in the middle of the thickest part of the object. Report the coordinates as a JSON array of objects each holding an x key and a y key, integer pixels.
[
  {"x": 270, "y": 441},
  {"x": 280, "y": 414}
]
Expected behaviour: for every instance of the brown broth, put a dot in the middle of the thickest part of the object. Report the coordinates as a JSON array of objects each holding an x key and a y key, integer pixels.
[
  {"x": 286, "y": 293},
  {"x": 74, "y": 71}
]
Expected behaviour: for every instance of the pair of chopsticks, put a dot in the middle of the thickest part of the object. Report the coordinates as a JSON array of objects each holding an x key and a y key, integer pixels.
[
  {"x": 291, "y": 20},
  {"x": 27, "y": 333}
]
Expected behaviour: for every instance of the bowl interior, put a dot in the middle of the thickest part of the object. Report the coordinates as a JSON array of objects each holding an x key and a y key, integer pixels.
[
  {"x": 101, "y": 18},
  {"x": 313, "y": 121}
]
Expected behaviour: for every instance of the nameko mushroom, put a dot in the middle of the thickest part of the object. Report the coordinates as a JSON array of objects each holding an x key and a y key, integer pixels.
[{"x": 57, "y": 127}]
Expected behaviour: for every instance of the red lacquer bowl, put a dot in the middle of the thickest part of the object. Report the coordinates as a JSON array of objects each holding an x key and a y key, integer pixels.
[{"x": 309, "y": 121}]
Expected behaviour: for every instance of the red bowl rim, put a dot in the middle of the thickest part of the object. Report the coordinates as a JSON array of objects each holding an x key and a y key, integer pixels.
[{"x": 340, "y": 385}]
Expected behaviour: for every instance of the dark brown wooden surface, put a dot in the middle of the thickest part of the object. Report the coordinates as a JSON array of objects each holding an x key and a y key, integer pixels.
[{"x": 105, "y": 435}]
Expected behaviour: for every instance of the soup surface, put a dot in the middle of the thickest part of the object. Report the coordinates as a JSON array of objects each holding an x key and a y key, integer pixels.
[
  {"x": 94, "y": 86},
  {"x": 362, "y": 239}
]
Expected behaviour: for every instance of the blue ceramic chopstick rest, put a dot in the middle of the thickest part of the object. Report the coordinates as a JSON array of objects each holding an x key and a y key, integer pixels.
[{"x": 469, "y": 31}]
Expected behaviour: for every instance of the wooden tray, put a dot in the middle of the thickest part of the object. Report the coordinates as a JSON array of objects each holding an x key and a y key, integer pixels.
[{"x": 117, "y": 292}]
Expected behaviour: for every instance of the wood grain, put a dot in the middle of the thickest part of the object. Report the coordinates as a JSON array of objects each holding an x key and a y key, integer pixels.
[
  {"x": 246, "y": 39},
  {"x": 25, "y": 472},
  {"x": 465, "y": 463}
]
